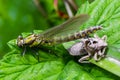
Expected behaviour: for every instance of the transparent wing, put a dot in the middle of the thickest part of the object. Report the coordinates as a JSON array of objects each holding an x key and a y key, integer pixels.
[{"x": 70, "y": 26}]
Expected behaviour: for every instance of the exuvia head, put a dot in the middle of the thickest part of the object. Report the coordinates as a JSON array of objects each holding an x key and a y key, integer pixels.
[{"x": 97, "y": 43}]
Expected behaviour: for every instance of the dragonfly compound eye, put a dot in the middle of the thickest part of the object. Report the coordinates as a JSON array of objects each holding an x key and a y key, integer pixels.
[{"x": 20, "y": 41}]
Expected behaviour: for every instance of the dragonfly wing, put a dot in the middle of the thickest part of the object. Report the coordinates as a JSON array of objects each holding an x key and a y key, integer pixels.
[{"x": 70, "y": 26}]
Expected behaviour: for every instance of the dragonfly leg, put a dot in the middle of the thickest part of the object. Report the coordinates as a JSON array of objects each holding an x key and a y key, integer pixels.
[
  {"x": 53, "y": 52},
  {"x": 36, "y": 54},
  {"x": 24, "y": 51}
]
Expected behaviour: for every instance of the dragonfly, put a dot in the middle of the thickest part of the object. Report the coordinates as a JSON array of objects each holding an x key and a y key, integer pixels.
[{"x": 64, "y": 32}]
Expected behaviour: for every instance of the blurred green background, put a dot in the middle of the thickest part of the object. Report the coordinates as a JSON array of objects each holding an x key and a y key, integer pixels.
[{"x": 17, "y": 16}]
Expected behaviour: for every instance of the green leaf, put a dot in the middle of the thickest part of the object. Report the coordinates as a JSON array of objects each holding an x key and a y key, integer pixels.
[
  {"x": 74, "y": 71},
  {"x": 15, "y": 66},
  {"x": 20, "y": 68}
]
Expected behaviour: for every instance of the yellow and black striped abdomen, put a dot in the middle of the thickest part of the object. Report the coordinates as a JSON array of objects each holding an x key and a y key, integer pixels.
[{"x": 77, "y": 35}]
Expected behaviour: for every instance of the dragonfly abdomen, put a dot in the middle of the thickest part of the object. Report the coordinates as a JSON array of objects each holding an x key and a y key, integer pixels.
[{"x": 77, "y": 35}]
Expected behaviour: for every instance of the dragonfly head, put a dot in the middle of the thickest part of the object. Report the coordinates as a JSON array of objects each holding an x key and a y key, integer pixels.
[
  {"x": 28, "y": 41},
  {"x": 20, "y": 41}
]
